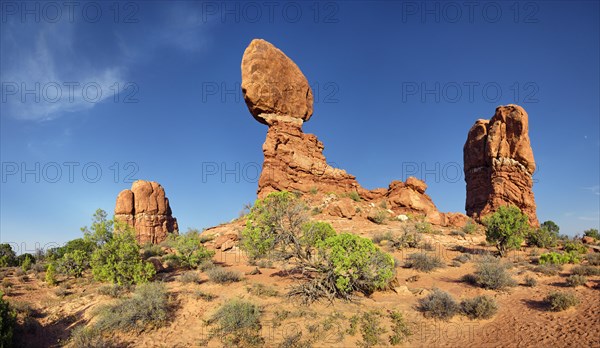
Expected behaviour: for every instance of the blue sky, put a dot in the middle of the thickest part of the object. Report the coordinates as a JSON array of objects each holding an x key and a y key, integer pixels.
[{"x": 150, "y": 90}]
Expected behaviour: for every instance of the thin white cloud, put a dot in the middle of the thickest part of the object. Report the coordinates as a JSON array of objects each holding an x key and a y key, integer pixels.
[{"x": 594, "y": 189}]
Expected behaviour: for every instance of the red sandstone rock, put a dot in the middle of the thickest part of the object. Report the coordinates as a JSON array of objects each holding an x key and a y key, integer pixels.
[
  {"x": 273, "y": 84},
  {"x": 220, "y": 240},
  {"x": 146, "y": 208},
  {"x": 499, "y": 164}
]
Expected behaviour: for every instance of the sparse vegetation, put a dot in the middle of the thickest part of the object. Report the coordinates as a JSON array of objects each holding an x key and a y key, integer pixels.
[
  {"x": 353, "y": 195},
  {"x": 480, "y": 307},
  {"x": 261, "y": 290},
  {"x": 199, "y": 294},
  {"x": 576, "y": 280},
  {"x": 559, "y": 301},
  {"x": 238, "y": 324},
  {"x": 548, "y": 269},
  {"x": 113, "y": 290},
  {"x": 190, "y": 277},
  {"x": 586, "y": 270},
  {"x": 90, "y": 337},
  {"x": 222, "y": 275},
  {"x": 423, "y": 227},
  {"x": 400, "y": 329},
  {"x": 470, "y": 227},
  {"x": 379, "y": 217},
  {"x": 424, "y": 262},
  {"x": 463, "y": 258},
  {"x": 439, "y": 305},
  {"x": 575, "y": 248},
  {"x": 490, "y": 273},
  {"x": 370, "y": 329},
  {"x": 506, "y": 228},
  {"x": 147, "y": 308},
  {"x": 530, "y": 281}
]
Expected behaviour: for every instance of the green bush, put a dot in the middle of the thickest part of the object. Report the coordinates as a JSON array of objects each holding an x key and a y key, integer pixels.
[
  {"x": 7, "y": 322},
  {"x": 353, "y": 195},
  {"x": 190, "y": 277},
  {"x": 506, "y": 228},
  {"x": 423, "y": 227},
  {"x": 149, "y": 250},
  {"x": 356, "y": 264},
  {"x": 470, "y": 227},
  {"x": 114, "y": 290},
  {"x": 490, "y": 273},
  {"x": 119, "y": 261},
  {"x": 400, "y": 328},
  {"x": 371, "y": 329},
  {"x": 74, "y": 263},
  {"x": 314, "y": 232},
  {"x": 559, "y": 301},
  {"x": 575, "y": 280},
  {"x": 439, "y": 305},
  {"x": 275, "y": 221},
  {"x": 586, "y": 270},
  {"x": 147, "y": 308},
  {"x": 379, "y": 217},
  {"x": 575, "y": 247},
  {"x": 592, "y": 232},
  {"x": 424, "y": 262},
  {"x": 221, "y": 275},
  {"x": 27, "y": 262},
  {"x": 190, "y": 251},
  {"x": 544, "y": 237},
  {"x": 50, "y": 276},
  {"x": 480, "y": 307},
  {"x": 238, "y": 324},
  {"x": 8, "y": 257},
  {"x": 558, "y": 258}
]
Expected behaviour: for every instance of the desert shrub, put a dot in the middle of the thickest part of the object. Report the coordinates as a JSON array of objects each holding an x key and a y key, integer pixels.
[
  {"x": 190, "y": 251},
  {"x": 548, "y": 269},
  {"x": 201, "y": 295},
  {"x": 592, "y": 232},
  {"x": 586, "y": 270},
  {"x": 424, "y": 262},
  {"x": 400, "y": 329},
  {"x": 206, "y": 237},
  {"x": 62, "y": 292},
  {"x": 371, "y": 329},
  {"x": 294, "y": 340},
  {"x": 408, "y": 239},
  {"x": 206, "y": 265},
  {"x": 428, "y": 246},
  {"x": 149, "y": 250},
  {"x": 90, "y": 337},
  {"x": 238, "y": 323},
  {"x": 221, "y": 275},
  {"x": 530, "y": 281},
  {"x": 457, "y": 233},
  {"x": 27, "y": 262},
  {"x": 8, "y": 257},
  {"x": 558, "y": 258},
  {"x": 575, "y": 247},
  {"x": 7, "y": 322},
  {"x": 575, "y": 280},
  {"x": 274, "y": 222},
  {"x": 189, "y": 277},
  {"x": 353, "y": 195},
  {"x": 593, "y": 259},
  {"x": 314, "y": 232},
  {"x": 423, "y": 227},
  {"x": 490, "y": 273},
  {"x": 355, "y": 264},
  {"x": 258, "y": 289},
  {"x": 439, "y": 305},
  {"x": 113, "y": 290},
  {"x": 74, "y": 263},
  {"x": 463, "y": 258},
  {"x": 379, "y": 217},
  {"x": 50, "y": 276},
  {"x": 119, "y": 260},
  {"x": 559, "y": 301},
  {"x": 506, "y": 228},
  {"x": 545, "y": 236},
  {"x": 380, "y": 237},
  {"x": 147, "y": 308},
  {"x": 480, "y": 307},
  {"x": 470, "y": 227}
]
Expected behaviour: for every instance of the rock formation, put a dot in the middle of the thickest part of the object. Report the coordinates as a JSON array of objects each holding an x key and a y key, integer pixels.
[
  {"x": 499, "y": 164},
  {"x": 278, "y": 95},
  {"x": 146, "y": 208}
]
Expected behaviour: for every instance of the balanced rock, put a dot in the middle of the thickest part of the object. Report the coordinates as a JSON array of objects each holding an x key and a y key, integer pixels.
[
  {"x": 146, "y": 208},
  {"x": 278, "y": 95},
  {"x": 273, "y": 84},
  {"x": 499, "y": 164}
]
